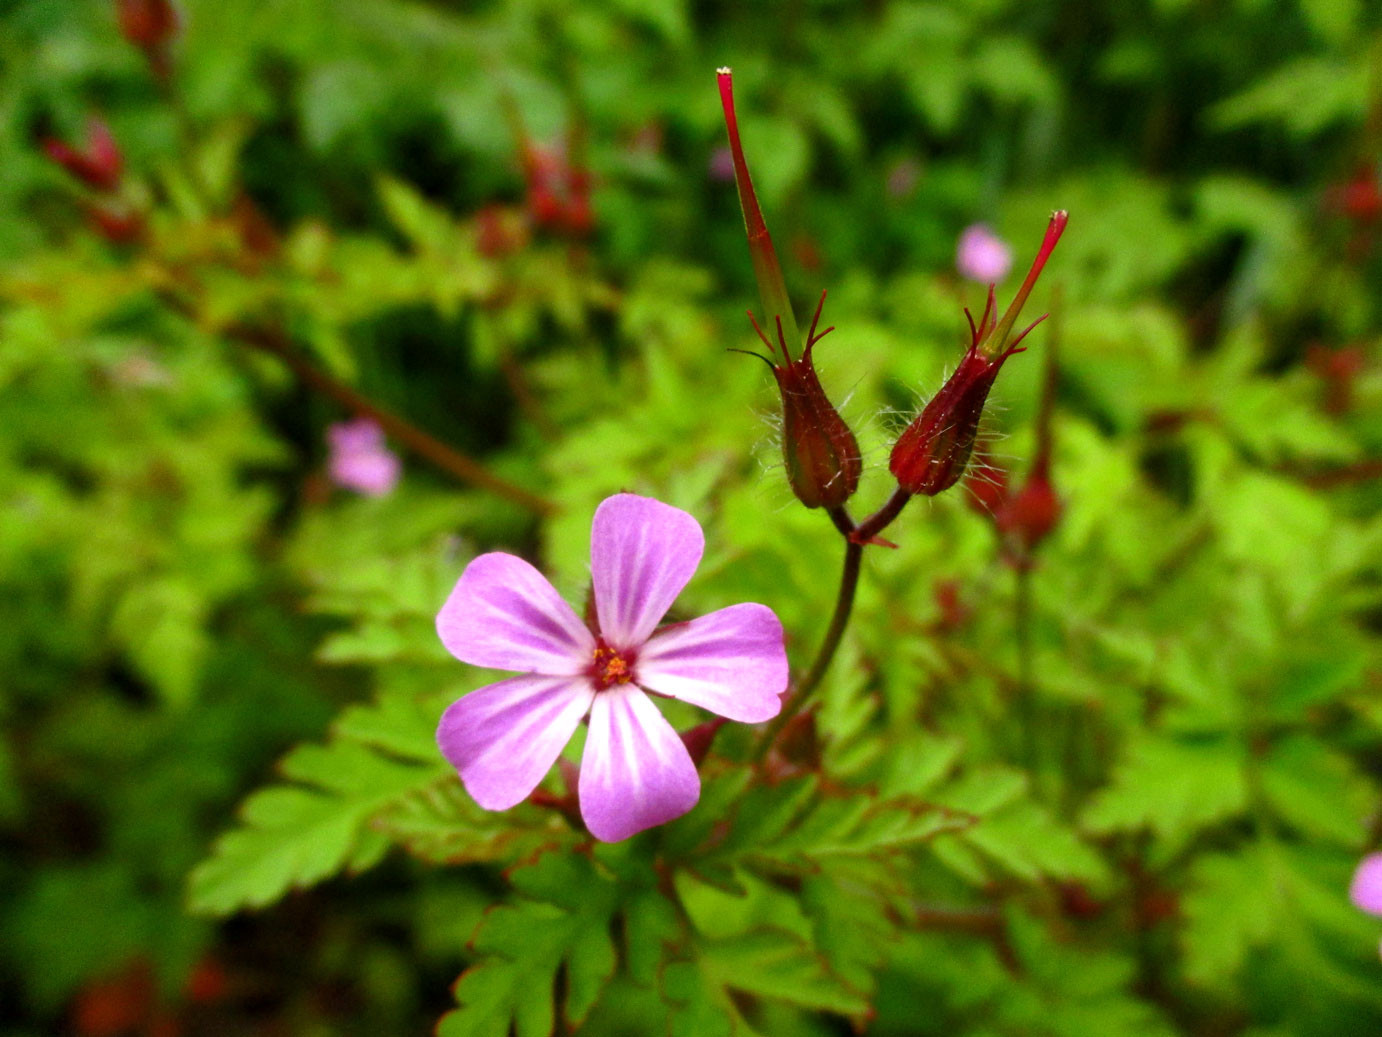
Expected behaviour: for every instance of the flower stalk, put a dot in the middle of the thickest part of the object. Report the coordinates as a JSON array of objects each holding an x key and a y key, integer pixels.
[{"x": 772, "y": 288}]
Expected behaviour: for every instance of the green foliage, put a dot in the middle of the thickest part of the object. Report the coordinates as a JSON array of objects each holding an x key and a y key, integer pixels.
[
  {"x": 296, "y": 835},
  {"x": 1142, "y": 822},
  {"x": 561, "y": 922}
]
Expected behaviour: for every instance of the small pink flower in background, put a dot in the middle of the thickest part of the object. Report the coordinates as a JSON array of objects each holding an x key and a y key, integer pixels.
[
  {"x": 982, "y": 255},
  {"x": 1366, "y": 889},
  {"x": 359, "y": 460},
  {"x": 636, "y": 772}
]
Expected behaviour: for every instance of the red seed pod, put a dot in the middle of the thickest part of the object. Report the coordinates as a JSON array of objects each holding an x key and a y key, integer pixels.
[
  {"x": 1031, "y": 514},
  {"x": 822, "y": 456},
  {"x": 821, "y": 453},
  {"x": 148, "y": 24},
  {"x": 931, "y": 455},
  {"x": 98, "y": 164}
]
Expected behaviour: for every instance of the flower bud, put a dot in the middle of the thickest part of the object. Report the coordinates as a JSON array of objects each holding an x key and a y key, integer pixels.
[
  {"x": 148, "y": 24},
  {"x": 987, "y": 483},
  {"x": 932, "y": 453},
  {"x": 98, "y": 164},
  {"x": 820, "y": 451},
  {"x": 1022, "y": 517},
  {"x": 821, "y": 454},
  {"x": 1028, "y": 516}
]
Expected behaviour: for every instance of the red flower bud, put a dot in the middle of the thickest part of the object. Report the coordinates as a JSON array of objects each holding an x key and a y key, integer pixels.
[
  {"x": 1029, "y": 516},
  {"x": 821, "y": 453},
  {"x": 823, "y": 462},
  {"x": 118, "y": 224},
  {"x": 1360, "y": 197},
  {"x": 932, "y": 453},
  {"x": 98, "y": 164},
  {"x": 1024, "y": 517},
  {"x": 148, "y": 24},
  {"x": 558, "y": 185}
]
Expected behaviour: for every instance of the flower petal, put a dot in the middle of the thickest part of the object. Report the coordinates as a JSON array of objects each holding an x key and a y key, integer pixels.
[
  {"x": 1366, "y": 889},
  {"x": 636, "y": 773},
  {"x": 503, "y": 614},
  {"x": 731, "y": 662},
  {"x": 642, "y": 553},
  {"x": 504, "y": 737}
]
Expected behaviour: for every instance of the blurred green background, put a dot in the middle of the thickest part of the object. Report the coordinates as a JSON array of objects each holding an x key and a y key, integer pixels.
[{"x": 184, "y": 594}]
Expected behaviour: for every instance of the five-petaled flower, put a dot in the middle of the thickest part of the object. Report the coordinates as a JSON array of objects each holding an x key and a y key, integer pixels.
[{"x": 636, "y": 771}]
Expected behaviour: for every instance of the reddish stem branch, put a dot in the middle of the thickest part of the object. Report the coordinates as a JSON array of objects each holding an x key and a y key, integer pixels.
[{"x": 447, "y": 458}]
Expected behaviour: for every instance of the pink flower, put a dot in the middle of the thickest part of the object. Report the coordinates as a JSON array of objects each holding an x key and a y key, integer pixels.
[
  {"x": 1366, "y": 888},
  {"x": 982, "y": 255},
  {"x": 359, "y": 460},
  {"x": 636, "y": 772}
]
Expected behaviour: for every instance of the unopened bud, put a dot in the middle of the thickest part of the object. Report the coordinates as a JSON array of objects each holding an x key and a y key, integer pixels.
[
  {"x": 1029, "y": 516},
  {"x": 97, "y": 164},
  {"x": 932, "y": 453},
  {"x": 148, "y": 24},
  {"x": 820, "y": 451}
]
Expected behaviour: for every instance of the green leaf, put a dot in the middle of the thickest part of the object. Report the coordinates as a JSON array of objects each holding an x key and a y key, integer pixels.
[
  {"x": 766, "y": 963},
  {"x": 561, "y": 921},
  {"x": 1173, "y": 788},
  {"x": 441, "y": 824},
  {"x": 1234, "y": 904},
  {"x": 1317, "y": 791},
  {"x": 295, "y": 835},
  {"x": 775, "y": 964},
  {"x": 796, "y": 824}
]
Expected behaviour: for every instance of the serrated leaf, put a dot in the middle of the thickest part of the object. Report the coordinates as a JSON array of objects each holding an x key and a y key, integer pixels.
[
  {"x": 563, "y": 921},
  {"x": 441, "y": 824},
  {"x": 1174, "y": 788},
  {"x": 1233, "y": 904},
  {"x": 796, "y": 824},
  {"x": 1027, "y": 841},
  {"x": 775, "y": 964},
  {"x": 1317, "y": 791},
  {"x": 295, "y": 835}
]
